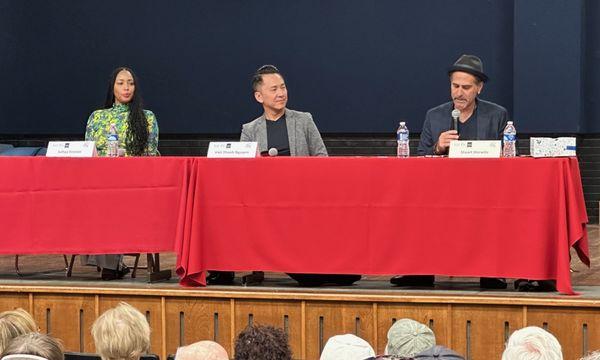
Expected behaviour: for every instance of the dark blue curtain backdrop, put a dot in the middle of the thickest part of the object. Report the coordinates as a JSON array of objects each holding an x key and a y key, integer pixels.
[
  {"x": 359, "y": 66},
  {"x": 592, "y": 68}
]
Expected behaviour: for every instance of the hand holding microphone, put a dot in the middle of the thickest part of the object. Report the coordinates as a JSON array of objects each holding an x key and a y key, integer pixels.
[
  {"x": 444, "y": 141},
  {"x": 441, "y": 146}
]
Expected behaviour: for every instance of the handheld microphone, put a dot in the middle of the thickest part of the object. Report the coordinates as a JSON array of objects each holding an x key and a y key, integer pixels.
[
  {"x": 273, "y": 152},
  {"x": 455, "y": 116}
]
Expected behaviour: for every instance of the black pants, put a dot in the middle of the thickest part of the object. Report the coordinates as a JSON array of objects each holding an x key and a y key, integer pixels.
[{"x": 321, "y": 279}]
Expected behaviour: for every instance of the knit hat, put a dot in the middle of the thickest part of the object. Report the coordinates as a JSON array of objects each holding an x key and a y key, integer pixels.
[
  {"x": 346, "y": 347},
  {"x": 438, "y": 352},
  {"x": 408, "y": 337}
]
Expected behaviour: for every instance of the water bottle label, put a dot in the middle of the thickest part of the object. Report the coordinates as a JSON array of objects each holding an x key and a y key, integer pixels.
[
  {"x": 510, "y": 137},
  {"x": 402, "y": 136}
]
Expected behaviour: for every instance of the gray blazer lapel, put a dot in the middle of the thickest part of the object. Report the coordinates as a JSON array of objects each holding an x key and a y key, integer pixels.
[
  {"x": 261, "y": 133},
  {"x": 290, "y": 120}
]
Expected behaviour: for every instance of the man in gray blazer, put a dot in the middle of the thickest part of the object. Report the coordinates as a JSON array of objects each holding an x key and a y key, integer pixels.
[
  {"x": 292, "y": 133},
  {"x": 478, "y": 120}
]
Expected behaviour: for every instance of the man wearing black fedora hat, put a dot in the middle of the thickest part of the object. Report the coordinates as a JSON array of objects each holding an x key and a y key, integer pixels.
[{"x": 476, "y": 119}]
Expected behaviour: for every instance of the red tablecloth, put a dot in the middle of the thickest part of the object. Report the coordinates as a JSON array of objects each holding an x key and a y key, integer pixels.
[
  {"x": 514, "y": 218},
  {"x": 89, "y": 206}
]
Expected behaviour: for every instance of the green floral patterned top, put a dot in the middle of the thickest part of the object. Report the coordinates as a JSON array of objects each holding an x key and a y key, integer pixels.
[{"x": 98, "y": 126}]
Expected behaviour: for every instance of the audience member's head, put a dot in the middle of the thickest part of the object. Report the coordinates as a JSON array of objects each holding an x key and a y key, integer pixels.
[
  {"x": 22, "y": 357},
  {"x": 532, "y": 343},
  {"x": 592, "y": 356},
  {"x": 202, "y": 350},
  {"x": 121, "y": 333},
  {"x": 14, "y": 323},
  {"x": 438, "y": 352},
  {"x": 262, "y": 342},
  {"x": 34, "y": 344},
  {"x": 347, "y": 347},
  {"x": 408, "y": 337}
]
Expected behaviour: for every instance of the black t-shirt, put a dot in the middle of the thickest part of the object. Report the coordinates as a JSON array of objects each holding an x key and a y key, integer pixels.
[
  {"x": 468, "y": 129},
  {"x": 277, "y": 136}
]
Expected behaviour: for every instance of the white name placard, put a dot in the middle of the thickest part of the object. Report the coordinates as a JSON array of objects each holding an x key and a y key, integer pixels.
[
  {"x": 475, "y": 149},
  {"x": 236, "y": 149},
  {"x": 71, "y": 149}
]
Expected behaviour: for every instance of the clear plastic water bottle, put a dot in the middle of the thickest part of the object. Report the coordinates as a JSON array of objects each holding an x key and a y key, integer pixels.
[
  {"x": 112, "y": 142},
  {"x": 509, "y": 147},
  {"x": 402, "y": 139}
]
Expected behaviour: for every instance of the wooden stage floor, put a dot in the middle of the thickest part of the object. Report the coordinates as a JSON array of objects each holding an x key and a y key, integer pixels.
[{"x": 47, "y": 270}]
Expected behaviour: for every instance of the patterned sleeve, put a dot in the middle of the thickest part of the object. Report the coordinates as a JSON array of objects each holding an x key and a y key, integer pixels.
[
  {"x": 89, "y": 128},
  {"x": 152, "y": 148},
  {"x": 94, "y": 132}
]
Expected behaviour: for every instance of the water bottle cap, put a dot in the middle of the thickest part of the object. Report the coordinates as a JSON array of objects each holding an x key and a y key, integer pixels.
[
  {"x": 402, "y": 123},
  {"x": 509, "y": 123}
]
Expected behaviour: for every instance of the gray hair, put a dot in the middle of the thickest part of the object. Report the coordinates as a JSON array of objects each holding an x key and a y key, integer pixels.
[
  {"x": 532, "y": 343},
  {"x": 592, "y": 356},
  {"x": 37, "y": 344}
]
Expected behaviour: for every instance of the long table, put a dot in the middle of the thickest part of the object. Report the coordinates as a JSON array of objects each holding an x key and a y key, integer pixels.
[
  {"x": 89, "y": 206},
  {"x": 514, "y": 218}
]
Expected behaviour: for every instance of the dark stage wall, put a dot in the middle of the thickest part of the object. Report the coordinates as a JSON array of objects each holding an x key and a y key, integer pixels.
[{"x": 358, "y": 66}]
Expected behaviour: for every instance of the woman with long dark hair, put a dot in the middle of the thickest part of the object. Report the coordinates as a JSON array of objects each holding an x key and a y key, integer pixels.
[
  {"x": 137, "y": 132},
  {"x": 137, "y": 128}
]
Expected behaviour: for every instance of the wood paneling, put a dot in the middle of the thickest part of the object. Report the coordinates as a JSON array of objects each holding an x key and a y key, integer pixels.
[
  {"x": 326, "y": 319},
  {"x": 476, "y": 327},
  {"x": 282, "y": 314},
  {"x": 189, "y": 320},
  {"x": 577, "y": 330},
  {"x": 433, "y": 315},
  {"x": 480, "y": 332},
  {"x": 13, "y": 301},
  {"x": 67, "y": 317}
]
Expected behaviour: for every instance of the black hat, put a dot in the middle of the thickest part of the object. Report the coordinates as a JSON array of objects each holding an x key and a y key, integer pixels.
[{"x": 470, "y": 64}]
